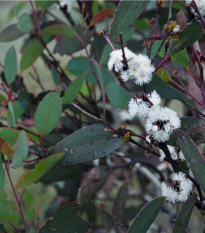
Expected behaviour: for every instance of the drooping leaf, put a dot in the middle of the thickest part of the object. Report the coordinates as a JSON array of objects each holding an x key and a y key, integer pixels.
[
  {"x": 10, "y": 33},
  {"x": 25, "y": 23},
  {"x": 66, "y": 220},
  {"x": 73, "y": 90},
  {"x": 6, "y": 207},
  {"x": 9, "y": 135},
  {"x": 11, "y": 120},
  {"x": 32, "y": 51},
  {"x": 126, "y": 14},
  {"x": 48, "y": 113},
  {"x": 44, "y": 5},
  {"x": 101, "y": 15},
  {"x": 146, "y": 216},
  {"x": 120, "y": 200},
  {"x": 169, "y": 92},
  {"x": 10, "y": 65},
  {"x": 61, "y": 30},
  {"x": 42, "y": 167},
  {"x": 190, "y": 34},
  {"x": 90, "y": 143},
  {"x": 184, "y": 215},
  {"x": 2, "y": 173},
  {"x": 21, "y": 150},
  {"x": 118, "y": 96},
  {"x": 194, "y": 158},
  {"x": 182, "y": 58}
]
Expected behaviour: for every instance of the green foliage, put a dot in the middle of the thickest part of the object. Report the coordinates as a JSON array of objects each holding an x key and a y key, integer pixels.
[
  {"x": 2, "y": 173},
  {"x": 42, "y": 167},
  {"x": 61, "y": 30},
  {"x": 96, "y": 141},
  {"x": 10, "y": 65},
  {"x": 25, "y": 23},
  {"x": 6, "y": 207},
  {"x": 10, "y": 33},
  {"x": 48, "y": 113},
  {"x": 182, "y": 58},
  {"x": 9, "y": 135}
]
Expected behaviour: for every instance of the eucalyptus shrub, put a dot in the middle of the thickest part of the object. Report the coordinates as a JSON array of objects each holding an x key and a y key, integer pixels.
[{"x": 115, "y": 126}]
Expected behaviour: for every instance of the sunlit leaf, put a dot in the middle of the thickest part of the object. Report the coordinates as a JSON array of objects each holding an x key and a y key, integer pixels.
[{"x": 182, "y": 58}]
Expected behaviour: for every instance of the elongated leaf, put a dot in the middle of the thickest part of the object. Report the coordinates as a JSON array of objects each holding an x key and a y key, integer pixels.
[
  {"x": 146, "y": 216},
  {"x": 90, "y": 143},
  {"x": 44, "y": 4},
  {"x": 191, "y": 33},
  {"x": 194, "y": 158},
  {"x": 66, "y": 220},
  {"x": 119, "y": 203},
  {"x": 126, "y": 14},
  {"x": 118, "y": 96},
  {"x": 48, "y": 113},
  {"x": 167, "y": 91},
  {"x": 25, "y": 23},
  {"x": 2, "y": 173},
  {"x": 32, "y": 51},
  {"x": 182, "y": 58},
  {"x": 11, "y": 120},
  {"x": 42, "y": 167},
  {"x": 61, "y": 30},
  {"x": 101, "y": 15},
  {"x": 10, "y": 65},
  {"x": 21, "y": 150},
  {"x": 10, "y": 33},
  {"x": 9, "y": 135},
  {"x": 73, "y": 90},
  {"x": 184, "y": 215}
]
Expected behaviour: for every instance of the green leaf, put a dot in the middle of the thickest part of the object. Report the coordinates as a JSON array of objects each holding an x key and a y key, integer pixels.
[
  {"x": 118, "y": 96},
  {"x": 90, "y": 143},
  {"x": 61, "y": 30},
  {"x": 167, "y": 91},
  {"x": 9, "y": 135},
  {"x": 78, "y": 65},
  {"x": 7, "y": 210},
  {"x": 21, "y": 150},
  {"x": 163, "y": 74},
  {"x": 44, "y": 5},
  {"x": 25, "y": 23},
  {"x": 73, "y": 90},
  {"x": 184, "y": 215},
  {"x": 194, "y": 158},
  {"x": 119, "y": 203},
  {"x": 187, "y": 37},
  {"x": 17, "y": 109},
  {"x": 2, "y": 173},
  {"x": 66, "y": 220},
  {"x": 11, "y": 120},
  {"x": 10, "y": 33},
  {"x": 48, "y": 113},
  {"x": 126, "y": 14},
  {"x": 10, "y": 65},
  {"x": 101, "y": 16},
  {"x": 146, "y": 216},
  {"x": 155, "y": 48},
  {"x": 32, "y": 51},
  {"x": 55, "y": 75},
  {"x": 42, "y": 167},
  {"x": 182, "y": 58}
]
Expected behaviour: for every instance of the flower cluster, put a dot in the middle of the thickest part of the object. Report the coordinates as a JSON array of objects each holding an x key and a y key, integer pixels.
[
  {"x": 131, "y": 66},
  {"x": 179, "y": 189},
  {"x": 200, "y": 4},
  {"x": 176, "y": 154}
]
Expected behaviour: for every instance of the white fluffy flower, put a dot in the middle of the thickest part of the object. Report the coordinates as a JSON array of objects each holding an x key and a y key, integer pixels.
[
  {"x": 141, "y": 104},
  {"x": 200, "y": 4},
  {"x": 166, "y": 120},
  {"x": 180, "y": 190},
  {"x": 175, "y": 154},
  {"x": 66, "y": 3}
]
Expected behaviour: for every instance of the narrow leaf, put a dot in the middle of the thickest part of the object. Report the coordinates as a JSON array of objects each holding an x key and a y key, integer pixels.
[
  {"x": 42, "y": 167},
  {"x": 21, "y": 150},
  {"x": 101, "y": 15},
  {"x": 10, "y": 65},
  {"x": 11, "y": 120},
  {"x": 73, "y": 90},
  {"x": 48, "y": 113},
  {"x": 61, "y": 30},
  {"x": 126, "y": 14},
  {"x": 2, "y": 173},
  {"x": 194, "y": 158},
  {"x": 184, "y": 215},
  {"x": 44, "y": 4},
  {"x": 146, "y": 216},
  {"x": 10, "y": 33},
  {"x": 87, "y": 144}
]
